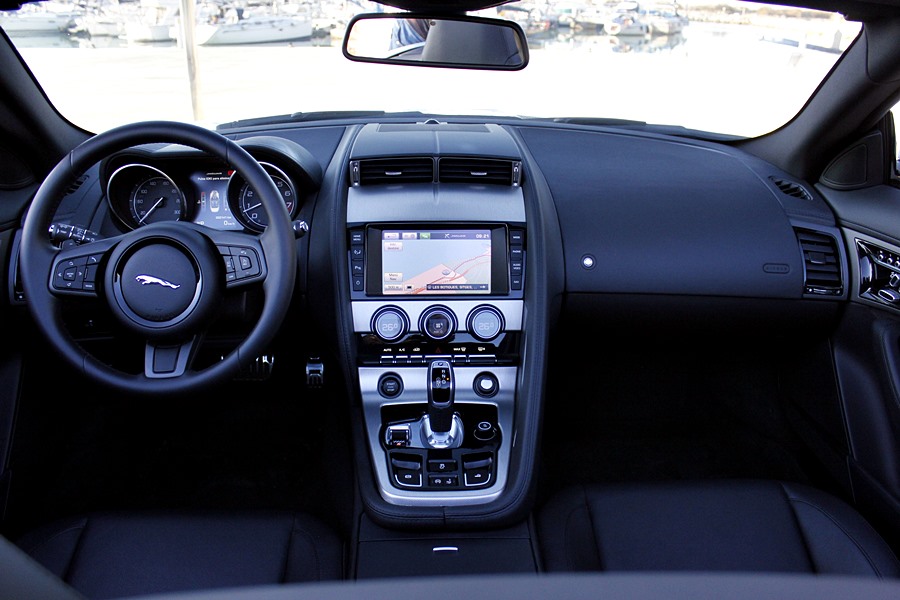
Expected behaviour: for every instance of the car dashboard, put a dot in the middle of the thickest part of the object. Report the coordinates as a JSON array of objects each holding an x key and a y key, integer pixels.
[{"x": 438, "y": 256}]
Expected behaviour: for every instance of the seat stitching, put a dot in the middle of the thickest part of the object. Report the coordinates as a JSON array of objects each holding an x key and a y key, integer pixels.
[
  {"x": 77, "y": 527},
  {"x": 311, "y": 540},
  {"x": 859, "y": 547},
  {"x": 800, "y": 530},
  {"x": 593, "y": 528}
]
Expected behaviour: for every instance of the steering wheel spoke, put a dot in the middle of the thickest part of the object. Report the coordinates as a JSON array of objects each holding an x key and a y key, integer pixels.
[{"x": 168, "y": 360}]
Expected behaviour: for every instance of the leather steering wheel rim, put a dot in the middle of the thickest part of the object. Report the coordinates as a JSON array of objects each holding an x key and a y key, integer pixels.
[{"x": 37, "y": 254}]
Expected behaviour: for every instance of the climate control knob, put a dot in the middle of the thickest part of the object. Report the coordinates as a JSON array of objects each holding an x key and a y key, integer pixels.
[
  {"x": 485, "y": 322},
  {"x": 437, "y": 322},
  {"x": 390, "y": 323}
]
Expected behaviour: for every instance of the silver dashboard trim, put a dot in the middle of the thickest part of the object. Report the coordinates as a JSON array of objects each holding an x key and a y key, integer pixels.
[
  {"x": 414, "y": 392},
  {"x": 363, "y": 310}
]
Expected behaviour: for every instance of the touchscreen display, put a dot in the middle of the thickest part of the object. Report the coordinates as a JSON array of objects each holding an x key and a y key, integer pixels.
[{"x": 436, "y": 261}]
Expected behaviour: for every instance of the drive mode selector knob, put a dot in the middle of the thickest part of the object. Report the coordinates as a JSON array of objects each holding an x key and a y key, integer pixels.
[
  {"x": 437, "y": 322},
  {"x": 485, "y": 322},
  {"x": 390, "y": 323}
]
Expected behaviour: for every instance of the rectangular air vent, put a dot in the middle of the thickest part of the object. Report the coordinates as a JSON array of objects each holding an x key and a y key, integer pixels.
[
  {"x": 384, "y": 171},
  {"x": 489, "y": 171},
  {"x": 821, "y": 263}
]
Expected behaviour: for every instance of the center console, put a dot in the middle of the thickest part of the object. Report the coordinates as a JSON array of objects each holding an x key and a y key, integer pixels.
[
  {"x": 436, "y": 270},
  {"x": 437, "y": 315}
]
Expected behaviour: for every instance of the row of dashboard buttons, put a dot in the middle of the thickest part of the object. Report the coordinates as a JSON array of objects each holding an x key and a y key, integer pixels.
[
  {"x": 456, "y": 359},
  {"x": 407, "y": 471}
]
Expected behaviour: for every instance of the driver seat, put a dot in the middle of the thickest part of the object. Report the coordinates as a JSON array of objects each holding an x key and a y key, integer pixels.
[{"x": 116, "y": 555}]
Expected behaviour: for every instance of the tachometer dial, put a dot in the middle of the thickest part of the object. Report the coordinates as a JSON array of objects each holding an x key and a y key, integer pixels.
[
  {"x": 250, "y": 210},
  {"x": 155, "y": 200}
]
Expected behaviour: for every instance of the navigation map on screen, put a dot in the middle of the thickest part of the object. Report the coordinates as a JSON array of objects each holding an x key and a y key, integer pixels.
[{"x": 436, "y": 261}]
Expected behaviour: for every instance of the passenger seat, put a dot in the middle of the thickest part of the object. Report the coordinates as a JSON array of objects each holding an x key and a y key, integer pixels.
[
  {"x": 760, "y": 526},
  {"x": 113, "y": 555}
]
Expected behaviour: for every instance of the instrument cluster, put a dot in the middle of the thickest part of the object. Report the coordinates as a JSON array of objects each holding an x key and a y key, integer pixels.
[{"x": 171, "y": 185}]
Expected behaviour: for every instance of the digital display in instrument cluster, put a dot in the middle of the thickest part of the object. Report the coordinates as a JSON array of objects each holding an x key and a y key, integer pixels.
[{"x": 213, "y": 209}]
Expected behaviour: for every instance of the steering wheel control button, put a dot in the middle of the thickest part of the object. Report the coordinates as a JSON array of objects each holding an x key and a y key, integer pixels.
[
  {"x": 159, "y": 283},
  {"x": 437, "y": 322},
  {"x": 485, "y": 322},
  {"x": 240, "y": 262},
  {"x": 390, "y": 385},
  {"x": 70, "y": 274},
  {"x": 390, "y": 323}
]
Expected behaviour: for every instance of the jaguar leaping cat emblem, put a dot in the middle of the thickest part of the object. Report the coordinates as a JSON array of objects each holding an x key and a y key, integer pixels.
[{"x": 149, "y": 279}]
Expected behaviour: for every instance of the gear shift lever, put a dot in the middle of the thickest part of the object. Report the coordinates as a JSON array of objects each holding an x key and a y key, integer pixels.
[
  {"x": 441, "y": 388},
  {"x": 441, "y": 427}
]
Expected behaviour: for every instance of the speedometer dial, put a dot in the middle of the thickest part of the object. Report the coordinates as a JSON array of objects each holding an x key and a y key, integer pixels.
[
  {"x": 156, "y": 200},
  {"x": 249, "y": 207}
]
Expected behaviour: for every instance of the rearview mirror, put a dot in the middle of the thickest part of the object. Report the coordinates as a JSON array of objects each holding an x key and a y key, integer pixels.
[{"x": 425, "y": 40}]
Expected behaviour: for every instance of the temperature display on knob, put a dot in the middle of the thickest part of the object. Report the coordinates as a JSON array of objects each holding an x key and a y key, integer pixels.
[
  {"x": 390, "y": 323},
  {"x": 485, "y": 322}
]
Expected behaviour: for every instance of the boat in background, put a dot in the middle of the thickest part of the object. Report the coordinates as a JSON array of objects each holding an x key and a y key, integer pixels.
[
  {"x": 281, "y": 22},
  {"x": 665, "y": 19},
  {"x": 626, "y": 19},
  {"x": 40, "y": 18},
  {"x": 255, "y": 30}
]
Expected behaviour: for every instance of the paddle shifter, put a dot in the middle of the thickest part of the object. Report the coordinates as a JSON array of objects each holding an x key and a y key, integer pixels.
[{"x": 442, "y": 427}]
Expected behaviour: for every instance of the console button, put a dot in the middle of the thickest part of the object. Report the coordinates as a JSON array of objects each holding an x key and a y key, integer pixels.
[
  {"x": 407, "y": 470},
  {"x": 486, "y": 385},
  {"x": 443, "y": 481},
  {"x": 477, "y": 476},
  {"x": 441, "y": 466},
  {"x": 390, "y": 385},
  {"x": 408, "y": 478}
]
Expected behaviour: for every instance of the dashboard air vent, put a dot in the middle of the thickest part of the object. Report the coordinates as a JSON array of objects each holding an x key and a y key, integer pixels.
[
  {"x": 821, "y": 264},
  {"x": 384, "y": 171},
  {"x": 791, "y": 189},
  {"x": 480, "y": 170}
]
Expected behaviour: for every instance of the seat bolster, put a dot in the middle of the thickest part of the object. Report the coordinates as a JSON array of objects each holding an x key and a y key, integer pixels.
[
  {"x": 567, "y": 533},
  {"x": 55, "y": 545},
  {"x": 839, "y": 540},
  {"x": 312, "y": 554}
]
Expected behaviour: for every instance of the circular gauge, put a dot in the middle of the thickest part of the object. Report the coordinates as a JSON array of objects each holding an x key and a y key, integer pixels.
[
  {"x": 250, "y": 210},
  {"x": 155, "y": 200}
]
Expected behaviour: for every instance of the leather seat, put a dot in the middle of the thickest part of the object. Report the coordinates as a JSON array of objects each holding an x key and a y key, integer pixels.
[
  {"x": 118, "y": 555},
  {"x": 760, "y": 526}
]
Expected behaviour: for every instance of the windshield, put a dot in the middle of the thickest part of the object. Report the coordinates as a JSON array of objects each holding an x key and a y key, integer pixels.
[{"x": 725, "y": 67}]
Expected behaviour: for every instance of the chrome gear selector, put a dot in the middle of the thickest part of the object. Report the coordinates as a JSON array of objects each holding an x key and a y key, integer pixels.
[{"x": 441, "y": 427}]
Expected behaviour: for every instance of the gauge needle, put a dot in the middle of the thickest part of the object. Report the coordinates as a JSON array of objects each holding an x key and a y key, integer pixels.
[
  {"x": 152, "y": 208},
  {"x": 249, "y": 208}
]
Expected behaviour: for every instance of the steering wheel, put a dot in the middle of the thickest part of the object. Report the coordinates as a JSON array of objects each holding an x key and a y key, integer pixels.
[{"x": 164, "y": 281}]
